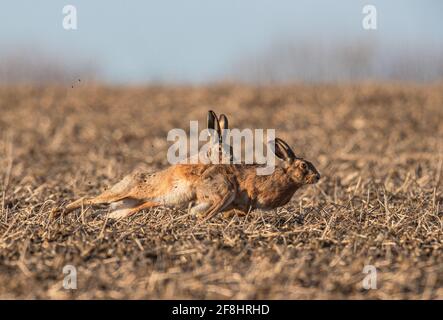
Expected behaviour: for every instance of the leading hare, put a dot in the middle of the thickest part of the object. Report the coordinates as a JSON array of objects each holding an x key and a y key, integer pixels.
[{"x": 208, "y": 189}]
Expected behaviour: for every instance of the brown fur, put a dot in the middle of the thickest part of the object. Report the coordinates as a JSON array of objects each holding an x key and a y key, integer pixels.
[{"x": 209, "y": 189}]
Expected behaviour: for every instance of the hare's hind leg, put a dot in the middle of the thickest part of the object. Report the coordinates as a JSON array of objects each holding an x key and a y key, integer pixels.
[
  {"x": 117, "y": 192},
  {"x": 105, "y": 197},
  {"x": 129, "y": 209},
  {"x": 83, "y": 202}
]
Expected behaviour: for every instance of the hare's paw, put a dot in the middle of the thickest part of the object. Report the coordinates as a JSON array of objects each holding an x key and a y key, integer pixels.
[
  {"x": 199, "y": 209},
  {"x": 122, "y": 208},
  {"x": 119, "y": 214},
  {"x": 229, "y": 214},
  {"x": 56, "y": 212},
  {"x": 233, "y": 212}
]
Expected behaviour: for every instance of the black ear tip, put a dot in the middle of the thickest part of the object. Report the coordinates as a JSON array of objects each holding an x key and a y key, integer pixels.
[
  {"x": 211, "y": 116},
  {"x": 283, "y": 150},
  {"x": 213, "y": 122}
]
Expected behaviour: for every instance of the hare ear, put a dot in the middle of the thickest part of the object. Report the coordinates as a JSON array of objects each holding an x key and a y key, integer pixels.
[
  {"x": 223, "y": 120},
  {"x": 213, "y": 122},
  {"x": 283, "y": 151}
]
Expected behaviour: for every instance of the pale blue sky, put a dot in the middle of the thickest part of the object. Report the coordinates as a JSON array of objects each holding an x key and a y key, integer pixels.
[{"x": 198, "y": 40}]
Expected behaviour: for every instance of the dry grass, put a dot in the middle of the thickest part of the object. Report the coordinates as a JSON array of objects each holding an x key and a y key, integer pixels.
[{"x": 379, "y": 149}]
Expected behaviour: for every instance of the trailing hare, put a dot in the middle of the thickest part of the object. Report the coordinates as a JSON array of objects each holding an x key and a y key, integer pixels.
[
  {"x": 208, "y": 188},
  {"x": 218, "y": 151}
]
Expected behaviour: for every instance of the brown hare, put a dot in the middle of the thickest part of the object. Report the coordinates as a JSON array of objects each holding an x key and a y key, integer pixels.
[
  {"x": 218, "y": 151},
  {"x": 208, "y": 188}
]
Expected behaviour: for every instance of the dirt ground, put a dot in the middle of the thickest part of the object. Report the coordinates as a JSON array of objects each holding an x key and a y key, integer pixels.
[{"x": 379, "y": 148}]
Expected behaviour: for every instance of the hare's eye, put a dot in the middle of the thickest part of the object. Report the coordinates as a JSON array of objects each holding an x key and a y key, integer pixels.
[{"x": 303, "y": 166}]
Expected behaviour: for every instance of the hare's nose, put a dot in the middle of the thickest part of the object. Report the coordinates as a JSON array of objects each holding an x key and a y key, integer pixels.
[{"x": 318, "y": 176}]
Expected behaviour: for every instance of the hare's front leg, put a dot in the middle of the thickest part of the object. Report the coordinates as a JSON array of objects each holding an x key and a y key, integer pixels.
[
  {"x": 217, "y": 189},
  {"x": 219, "y": 204}
]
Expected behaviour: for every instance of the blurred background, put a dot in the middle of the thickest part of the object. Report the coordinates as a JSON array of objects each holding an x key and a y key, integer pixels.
[{"x": 198, "y": 41}]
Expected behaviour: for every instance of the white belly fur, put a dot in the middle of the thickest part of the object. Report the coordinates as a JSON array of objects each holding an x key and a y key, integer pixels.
[{"x": 180, "y": 195}]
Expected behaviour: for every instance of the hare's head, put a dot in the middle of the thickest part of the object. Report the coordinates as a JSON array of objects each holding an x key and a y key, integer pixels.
[
  {"x": 300, "y": 170},
  {"x": 218, "y": 151}
]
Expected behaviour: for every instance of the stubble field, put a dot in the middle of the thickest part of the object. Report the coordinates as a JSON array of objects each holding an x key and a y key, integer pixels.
[{"x": 378, "y": 147}]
